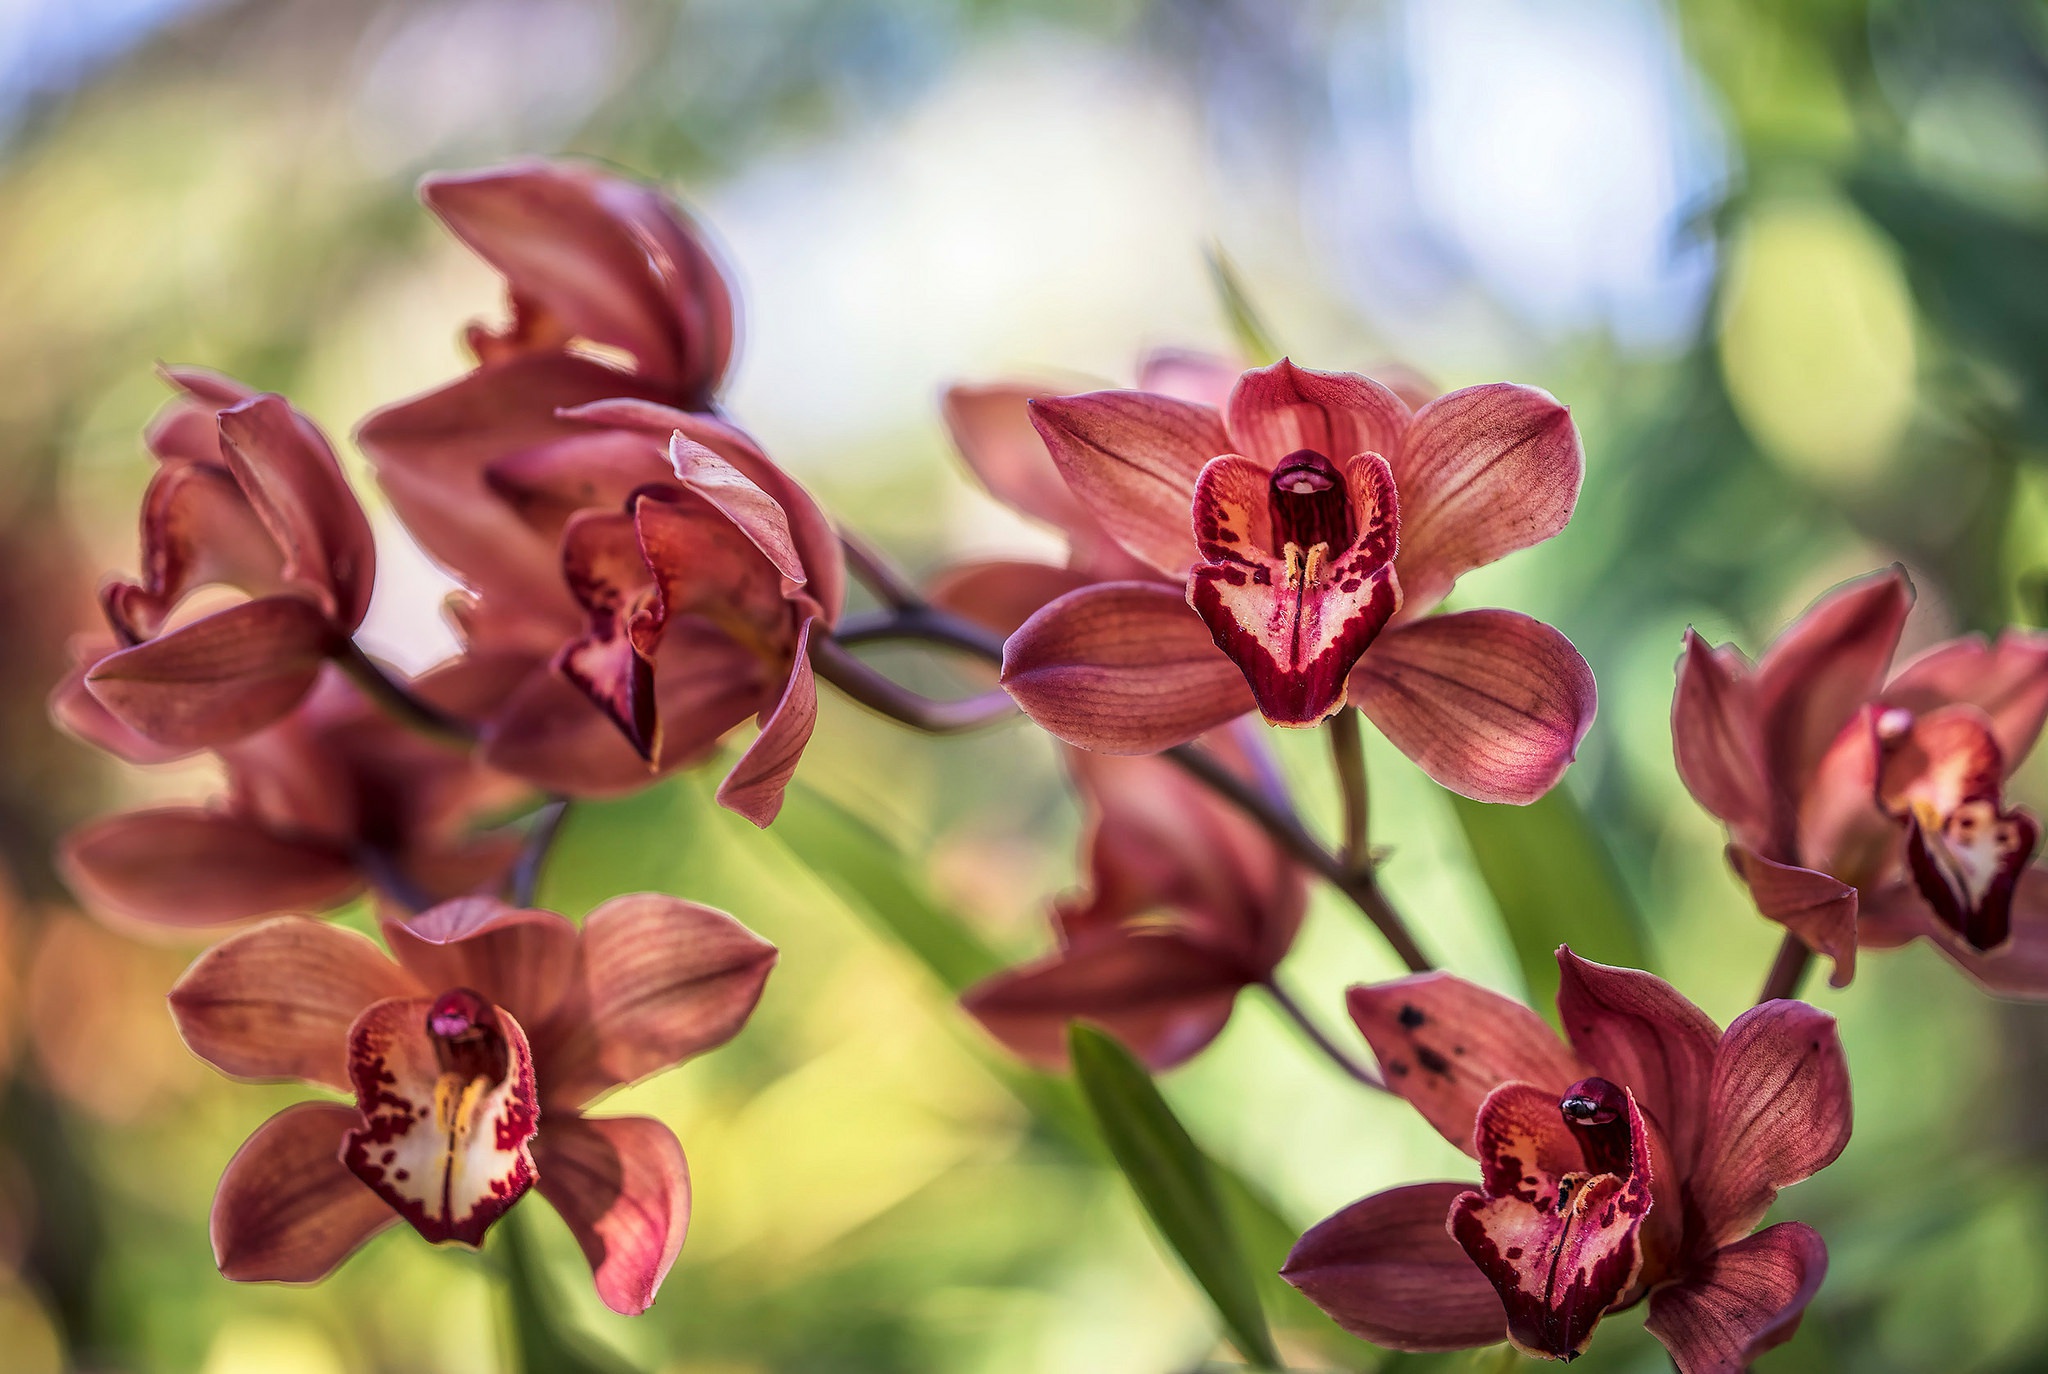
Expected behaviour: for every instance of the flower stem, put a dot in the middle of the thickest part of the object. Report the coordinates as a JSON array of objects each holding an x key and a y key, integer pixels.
[
  {"x": 524, "y": 880},
  {"x": 1313, "y": 1033},
  {"x": 916, "y": 619},
  {"x": 836, "y": 664},
  {"x": 1788, "y": 970},
  {"x": 874, "y": 571},
  {"x": 398, "y": 700},
  {"x": 1347, "y": 751}
]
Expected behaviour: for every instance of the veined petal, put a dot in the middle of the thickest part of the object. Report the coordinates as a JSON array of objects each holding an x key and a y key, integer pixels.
[
  {"x": 277, "y": 1000},
  {"x": 445, "y": 1087},
  {"x": 219, "y": 678},
  {"x": 294, "y": 482},
  {"x": 187, "y": 866},
  {"x": 1001, "y": 595},
  {"x": 1779, "y": 1113},
  {"x": 198, "y": 529},
  {"x": 664, "y": 980},
  {"x": 1841, "y": 829},
  {"x": 1444, "y": 1044},
  {"x": 1131, "y": 458},
  {"x": 752, "y": 511},
  {"x": 524, "y": 961},
  {"x": 1635, "y": 1028},
  {"x": 707, "y": 567},
  {"x": 759, "y": 777},
  {"x": 1190, "y": 375},
  {"x": 606, "y": 572},
  {"x": 1827, "y": 663},
  {"x": 2008, "y": 681},
  {"x": 622, "y": 1185},
  {"x": 1492, "y": 704},
  {"x": 1741, "y": 1301},
  {"x": 1276, "y": 410},
  {"x": 1162, "y": 995},
  {"x": 1123, "y": 668},
  {"x": 991, "y": 428},
  {"x": 1714, "y": 738},
  {"x": 79, "y": 713},
  {"x": 2017, "y": 970},
  {"x": 587, "y": 469},
  {"x": 1819, "y": 909},
  {"x": 1386, "y": 1270},
  {"x": 287, "y": 1211},
  {"x": 1482, "y": 472}
]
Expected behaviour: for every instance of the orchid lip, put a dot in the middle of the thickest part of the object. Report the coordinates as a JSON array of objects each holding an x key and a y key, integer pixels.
[{"x": 1310, "y": 507}]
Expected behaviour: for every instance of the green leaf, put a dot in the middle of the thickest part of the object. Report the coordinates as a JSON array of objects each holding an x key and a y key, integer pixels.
[
  {"x": 1555, "y": 884},
  {"x": 540, "y": 1343},
  {"x": 1254, "y": 340},
  {"x": 1172, "y": 1179}
]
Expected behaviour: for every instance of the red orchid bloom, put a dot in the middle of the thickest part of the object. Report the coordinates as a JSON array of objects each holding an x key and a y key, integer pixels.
[
  {"x": 612, "y": 294},
  {"x": 1310, "y": 522},
  {"x": 247, "y": 494},
  {"x": 333, "y": 797},
  {"x": 1633, "y": 1161},
  {"x": 1865, "y": 806},
  {"x": 472, "y": 1059},
  {"x": 1187, "y": 904},
  {"x": 697, "y": 571}
]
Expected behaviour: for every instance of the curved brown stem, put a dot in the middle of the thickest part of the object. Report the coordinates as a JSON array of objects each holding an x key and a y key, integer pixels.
[
  {"x": 524, "y": 879},
  {"x": 1788, "y": 970},
  {"x": 1314, "y": 1035},
  {"x": 398, "y": 701},
  {"x": 835, "y": 663}
]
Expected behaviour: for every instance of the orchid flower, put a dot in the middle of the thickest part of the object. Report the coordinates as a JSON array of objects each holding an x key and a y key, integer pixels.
[
  {"x": 1298, "y": 535},
  {"x": 1188, "y": 903},
  {"x": 246, "y": 494},
  {"x": 1865, "y": 805},
  {"x": 472, "y": 1058},
  {"x": 1632, "y": 1160}
]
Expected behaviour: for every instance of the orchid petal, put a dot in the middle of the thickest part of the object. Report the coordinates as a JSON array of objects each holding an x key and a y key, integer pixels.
[
  {"x": 1778, "y": 1113},
  {"x": 1189, "y": 375},
  {"x": 1741, "y": 1301},
  {"x": 1841, "y": 829},
  {"x": 2018, "y": 970},
  {"x": 219, "y": 678},
  {"x": 1635, "y": 1028},
  {"x": 752, "y": 511},
  {"x": 1386, "y": 1270},
  {"x": 1001, "y": 595},
  {"x": 287, "y": 1211},
  {"x": 1123, "y": 668},
  {"x": 1277, "y": 410},
  {"x": 1444, "y": 1044},
  {"x": 2008, "y": 681},
  {"x": 1819, "y": 909},
  {"x": 294, "y": 482},
  {"x": 1131, "y": 458},
  {"x": 606, "y": 572},
  {"x": 1482, "y": 472},
  {"x": 1492, "y": 704},
  {"x": 622, "y": 1185},
  {"x": 444, "y": 1136},
  {"x": 1830, "y": 661},
  {"x": 277, "y": 1000},
  {"x": 198, "y": 529},
  {"x": 186, "y": 866},
  {"x": 521, "y": 960},
  {"x": 759, "y": 777},
  {"x": 79, "y": 713},
  {"x": 991, "y": 427},
  {"x": 1714, "y": 737}
]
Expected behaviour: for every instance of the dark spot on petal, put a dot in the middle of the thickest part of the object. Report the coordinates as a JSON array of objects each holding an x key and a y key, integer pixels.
[
  {"x": 1411, "y": 1016},
  {"x": 1398, "y": 1067},
  {"x": 1457, "y": 1049},
  {"x": 1514, "y": 1252},
  {"x": 1431, "y": 1060}
]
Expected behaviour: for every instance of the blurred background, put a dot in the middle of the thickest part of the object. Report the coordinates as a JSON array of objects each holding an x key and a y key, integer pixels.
[{"x": 1786, "y": 259}]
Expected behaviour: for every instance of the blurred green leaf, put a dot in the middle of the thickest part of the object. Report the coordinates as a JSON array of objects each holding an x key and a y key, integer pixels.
[
  {"x": 1172, "y": 1179},
  {"x": 540, "y": 1344},
  {"x": 1247, "y": 328},
  {"x": 1555, "y": 884}
]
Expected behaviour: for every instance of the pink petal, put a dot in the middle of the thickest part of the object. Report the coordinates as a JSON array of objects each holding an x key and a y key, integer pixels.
[
  {"x": 1294, "y": 629},
  {"x": 664, "y": 981},
  {"x": 1162, "y": 995},
  {"x": 1001, "y": 595},
  {"x": 758, "y": 779},
  {"x": 1779, "y": 1114},
  {"x": 991, "y": 427},
  {"x": 1131, "y": 458},
  {"x": 1124, "y": 668},
  {"x": 622, "y": 1185},
  {"x": 443, "y": 1141},
  {"x": 186, "y": 866},
  {"x": 2008, "y": 681},
  {"x": 1715, "y": 741},
  {"x": 277, "y": 1000},
  {"x": 1482, "y": 472},
  {"x": 612, "y": 260},
  {"x": 1387, "y": 1271},
  {"x": 1741, "y": 1301},
  {"x": 198, "y": 529},
  {"x": 1841, "y": 829},
  {"x": 219, "y": 678},
  {"x": 1819, "y": 909},
  {"x": 1830, "y": 661},
  {"x": 1444, "y": 1044},
  {"x": 188, "y": 425},
  {"x": 286, "y": 1210},
  {"x": 609, "y": 577},
  {"x": 708, "y": 567},
  {"x": 1635, "y": 1029},
  {"x": 1277, "y": 410},
  {"x": 294, "y": 482},
  {"x": 1189, "y": 375},
  {"x": 752, "y": 511},
  {"x": 1491, "y": 704},
  {"x": 523, "y": 961},
  {"x": 79, "y": 713},
  {"x": 2019, "y": 970}
]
